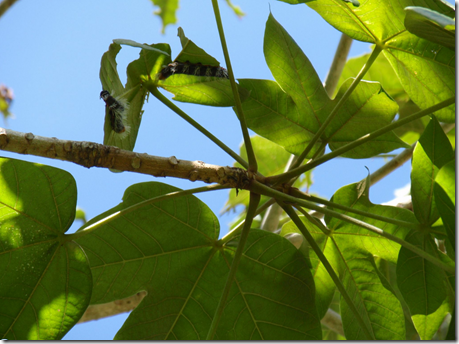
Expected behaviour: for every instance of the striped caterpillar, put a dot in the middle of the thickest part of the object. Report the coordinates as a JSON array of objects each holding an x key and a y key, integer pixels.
[{"x": 197, "y": 69}]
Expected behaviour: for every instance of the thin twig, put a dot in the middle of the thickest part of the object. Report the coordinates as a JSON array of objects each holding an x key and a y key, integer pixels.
[{"x": 253, "y": 167}]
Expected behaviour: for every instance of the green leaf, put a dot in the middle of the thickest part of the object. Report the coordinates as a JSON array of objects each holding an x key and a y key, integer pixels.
[
  {"x": 171, "y": 250},
  {"x": 431, "y": 25},
  {"x": 132, "y": 96},
  {"x": 372, "y": 21},
  {"x": 423, "y": 286},
  {"x": 368, "y": 109},
  {"x": 430, "y": 154},
  {"x": 426, "y": 70},
  {"x": 349, "y": 236},
  {"x": 445, "y": 197},
  {"x": 203, "y": 90},
  {"x": 138, "y": 45},
  {"x": 325, "y": 287},
  {"x": 212, "y": 91},
  {"x": 192, "y": 53},
  {"x": 379, "y": 307},
  {"x": 46, "y": 280},
  {"x": 295, "y": 2},
  {"x": 291, "y": 110},
  {"x": 380, "y": 71},
  {"x": 166, "y": 12}
]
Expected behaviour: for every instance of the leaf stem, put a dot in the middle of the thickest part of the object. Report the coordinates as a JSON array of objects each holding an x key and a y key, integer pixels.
[
  {"x": 299, "y": 194},
  {"x": 253, "y": 167},
  {"x": 368, "y": 137},
  {"x": 253, "y": 203},
  {"x": 195, "y": 124},
  {"x": 235, "y": 231},
  {"x": 265, "y": 190},
  {"x": 300, "y": 225},
  {"x": 86, "y": 230},
  {"x": 376, "y": 51}
]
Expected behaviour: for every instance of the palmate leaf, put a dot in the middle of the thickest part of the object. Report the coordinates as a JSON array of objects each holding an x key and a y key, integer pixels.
[
  {"x": 292, "y": 109},
  {"x": 431, "y": 153},
  {"x": 350, "y": 250},
  {"x": 375, "y": 300},
  {"x": 46, "y": 280},
  {"x": 171, "y": 250},
  {"x": 425, "y": 69}
]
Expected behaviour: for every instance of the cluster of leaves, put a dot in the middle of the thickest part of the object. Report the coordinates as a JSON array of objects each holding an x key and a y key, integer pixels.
[{"x": 165, "y": 241}]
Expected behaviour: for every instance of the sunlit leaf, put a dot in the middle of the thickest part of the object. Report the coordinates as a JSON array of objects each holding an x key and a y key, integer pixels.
[
  {"x": 171, "y": 250},
  {"x": 426, "y": 70},
  {"x": 46, "y": 281},
  {"x": 291, "y": 110},
  {"x": 204, "y": 90},
  {"x": 431, "y": 25}
]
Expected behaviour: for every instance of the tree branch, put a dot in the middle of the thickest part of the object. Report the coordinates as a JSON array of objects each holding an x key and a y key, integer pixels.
[{"x": 91, "y": 154}]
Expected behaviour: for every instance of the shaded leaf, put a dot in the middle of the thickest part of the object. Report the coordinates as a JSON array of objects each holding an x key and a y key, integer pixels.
[
  {"x": 431, "y": 25},
  {"x": 349, "y": 236},
  {"x": 431, "y": 152},
  {"x": 422, "y": 285},
  {"x": 378, "y": 306},
  {"x": 46, "y": 280},
  {"x": 171, "y": 250},
  {"x": 325, "y": 287},
  {"x": 445, "y": 197},
  {"x": 132, "y": 96}
]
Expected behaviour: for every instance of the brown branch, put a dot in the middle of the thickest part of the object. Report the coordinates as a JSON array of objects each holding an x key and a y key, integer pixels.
[
  {"x": 91, "y": 154},
  {"x": 5, "y": 5}
]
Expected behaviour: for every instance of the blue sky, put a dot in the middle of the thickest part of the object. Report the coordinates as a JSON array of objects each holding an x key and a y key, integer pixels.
[{"x": 50, "y": 57}]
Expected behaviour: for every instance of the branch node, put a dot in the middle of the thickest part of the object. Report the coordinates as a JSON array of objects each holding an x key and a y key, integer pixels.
[
  {"x": 173, "y": 161},
  {"x": 135, "y": 162},
  {"x": 29, "y": 136}
]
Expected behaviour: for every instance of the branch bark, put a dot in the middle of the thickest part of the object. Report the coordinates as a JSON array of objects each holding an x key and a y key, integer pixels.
[{"x": 91, "y": 154}]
